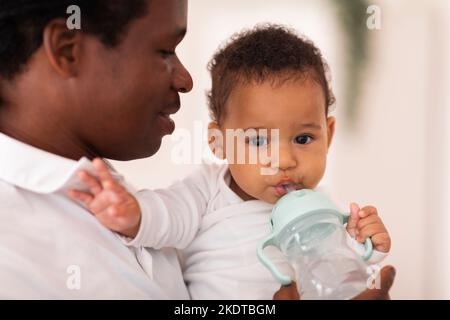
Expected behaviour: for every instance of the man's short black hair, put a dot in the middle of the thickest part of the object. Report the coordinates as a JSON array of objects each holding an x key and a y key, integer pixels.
[
  {"x": 22, "y": 23},
  {"x": 268, "y": 52}
]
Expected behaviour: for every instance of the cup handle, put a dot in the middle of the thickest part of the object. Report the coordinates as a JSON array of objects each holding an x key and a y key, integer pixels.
[
  {"x": 368, "y": 246},
  {"x": 281, "y": 278}
]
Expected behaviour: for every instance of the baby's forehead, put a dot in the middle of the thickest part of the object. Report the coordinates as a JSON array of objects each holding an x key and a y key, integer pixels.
[{"x": 301, "y": 97}]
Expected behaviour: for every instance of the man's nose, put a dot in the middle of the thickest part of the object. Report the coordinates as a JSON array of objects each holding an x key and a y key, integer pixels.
[{"x": 182, "y": 81}]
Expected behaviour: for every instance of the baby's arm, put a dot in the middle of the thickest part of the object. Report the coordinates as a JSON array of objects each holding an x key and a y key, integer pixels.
[
  {"x": 365, "y": 223},
  {"x": 162, "y": 218}
]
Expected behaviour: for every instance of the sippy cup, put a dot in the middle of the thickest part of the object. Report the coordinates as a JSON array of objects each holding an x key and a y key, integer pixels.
[{"x": 309, "y": 230}]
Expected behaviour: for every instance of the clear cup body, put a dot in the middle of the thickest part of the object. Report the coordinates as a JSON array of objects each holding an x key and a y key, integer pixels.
[{"x": 326, "y": 267}]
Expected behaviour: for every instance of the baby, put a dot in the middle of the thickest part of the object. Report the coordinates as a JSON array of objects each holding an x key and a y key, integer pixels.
[{"x": 272, "y": 85}]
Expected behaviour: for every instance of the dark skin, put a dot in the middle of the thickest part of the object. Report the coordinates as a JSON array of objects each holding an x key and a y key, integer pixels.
[
  {"x": 387, "y": 275},
  {"x": 79, "y": 98}
]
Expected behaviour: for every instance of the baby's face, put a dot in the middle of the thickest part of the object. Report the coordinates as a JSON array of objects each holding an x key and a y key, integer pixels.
[{"x": 297, "y": 109}]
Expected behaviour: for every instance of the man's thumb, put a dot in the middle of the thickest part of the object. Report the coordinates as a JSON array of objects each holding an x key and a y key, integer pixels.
[
  {"x": 387, "y": 278},
  {"x": 289, "y": 292}
]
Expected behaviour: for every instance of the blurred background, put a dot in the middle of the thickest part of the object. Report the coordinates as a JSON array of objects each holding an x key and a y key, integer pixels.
[{"x": 391, "y": 76}]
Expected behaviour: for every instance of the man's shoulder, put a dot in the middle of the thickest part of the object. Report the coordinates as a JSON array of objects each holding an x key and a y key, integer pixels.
[
  {"x": 10, "y": 198},
  {"x": 6, "y": 187}
]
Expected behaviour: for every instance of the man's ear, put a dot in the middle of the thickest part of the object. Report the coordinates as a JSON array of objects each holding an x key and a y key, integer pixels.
[
  {"x": 331, "y": 124},
  {"x": 216, "y": 140},
  {"x": 62, "y": 47}
]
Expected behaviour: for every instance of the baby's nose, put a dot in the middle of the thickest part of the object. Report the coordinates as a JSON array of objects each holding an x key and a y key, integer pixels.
[{"x": 286, "y": 159}]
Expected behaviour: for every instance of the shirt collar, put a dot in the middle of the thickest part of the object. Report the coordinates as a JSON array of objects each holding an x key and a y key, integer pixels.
[{"x": 39, "y": 171}]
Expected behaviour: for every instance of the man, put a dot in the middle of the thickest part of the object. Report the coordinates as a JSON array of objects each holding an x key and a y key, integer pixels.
[
  {"x": 67, "y": 96},
  {"x": 105, "y": 91}
]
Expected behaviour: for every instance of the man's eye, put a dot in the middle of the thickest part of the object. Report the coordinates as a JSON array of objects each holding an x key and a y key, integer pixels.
[
  {"x": 258, "y": 141},
  {"x": 166, "y": 53},
  {"x": 303, "y": 139}
]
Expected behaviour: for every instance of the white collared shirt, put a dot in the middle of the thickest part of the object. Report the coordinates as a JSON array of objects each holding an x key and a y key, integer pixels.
[{"x": 52, "y": 248}]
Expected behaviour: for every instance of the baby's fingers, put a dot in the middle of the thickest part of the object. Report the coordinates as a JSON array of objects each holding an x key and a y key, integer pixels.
[
  {"x": 106, "y": 178},
  {"x": 368, "y": 211},
  {"x": 369, "y": 231},
  {"x": 382, "y": 242},
  {"x": 353, "y": 220},
  {"x": 103, "y": 201},
  {"x": 84, "y": 197},
  {"x": 91, "y": 182},
  {"x": 362, "y": 223}
]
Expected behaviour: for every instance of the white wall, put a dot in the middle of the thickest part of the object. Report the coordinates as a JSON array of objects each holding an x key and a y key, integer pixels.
[
  {"x": 210, "y": 23},
  {"x": 384, "y": 163},
  {"x": 397, "y": 159},
  {"x": 436, "y": 210}
]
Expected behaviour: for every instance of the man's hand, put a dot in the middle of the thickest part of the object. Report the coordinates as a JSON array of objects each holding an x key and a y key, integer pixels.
[
  {"x": 109, "y": 201},
  {"x": 365, "y": 223},
  {"x": 387, "y": 275},
  {"x": 289, "y": 292}
]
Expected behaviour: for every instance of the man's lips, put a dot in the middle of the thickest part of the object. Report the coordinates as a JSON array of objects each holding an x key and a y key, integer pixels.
[
  {"x": 164, "y": 116},
  {"x": 172, "y": 109},
  {"x": 167, "y": 124}
]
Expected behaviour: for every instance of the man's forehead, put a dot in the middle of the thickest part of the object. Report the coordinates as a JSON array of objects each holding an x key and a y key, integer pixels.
[
  {"x": 169, "y": 17},
  {"x": 169, "y": 11}
]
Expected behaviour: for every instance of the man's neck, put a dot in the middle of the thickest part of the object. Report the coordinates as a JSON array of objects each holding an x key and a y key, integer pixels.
[{"x": 53, "y": 139}]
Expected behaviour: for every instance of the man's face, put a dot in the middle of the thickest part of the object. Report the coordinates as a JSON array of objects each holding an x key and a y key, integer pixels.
[{"x": 125, "y": 93}]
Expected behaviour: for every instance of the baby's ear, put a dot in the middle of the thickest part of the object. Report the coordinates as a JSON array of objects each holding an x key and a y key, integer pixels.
[
  {"x": 216, "y": 140},
  {"x": 331, "y": 124}
]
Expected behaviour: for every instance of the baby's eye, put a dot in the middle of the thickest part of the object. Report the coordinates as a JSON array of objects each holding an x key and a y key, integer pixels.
[
  {"x": 258, "y": 141},
  {"x": 303, "y": 139}
]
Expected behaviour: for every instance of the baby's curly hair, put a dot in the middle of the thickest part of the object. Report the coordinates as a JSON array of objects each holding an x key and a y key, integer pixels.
[{"x": 265, "y": 53}]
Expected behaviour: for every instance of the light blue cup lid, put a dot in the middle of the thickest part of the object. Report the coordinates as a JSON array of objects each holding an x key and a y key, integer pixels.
[{"x": 298, "y": 203}]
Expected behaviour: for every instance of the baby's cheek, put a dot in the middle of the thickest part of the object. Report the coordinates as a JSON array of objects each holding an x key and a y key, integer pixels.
[
  {"x": 312, "y": 181},
  {"x": 245, "y": 178},
  {"x": 257, "y": 186},
  {"x": 314, "y": 173}
]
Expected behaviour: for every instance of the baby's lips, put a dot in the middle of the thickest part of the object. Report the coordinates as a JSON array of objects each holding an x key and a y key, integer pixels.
[{"x": 281, "y": 191}]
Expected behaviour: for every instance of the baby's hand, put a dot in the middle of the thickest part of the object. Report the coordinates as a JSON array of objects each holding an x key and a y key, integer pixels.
[
  {"x": 109, "y": 201},
  {"x": 365, "y": 223}
]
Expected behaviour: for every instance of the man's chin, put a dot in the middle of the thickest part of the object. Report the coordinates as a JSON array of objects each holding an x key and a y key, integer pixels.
[
  {"x": 150, "y": 150},
  {"x": 153, "y": 149},
  {"x": 136, "y": 152}
]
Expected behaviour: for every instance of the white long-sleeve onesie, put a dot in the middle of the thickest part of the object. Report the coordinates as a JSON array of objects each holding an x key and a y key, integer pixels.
[{"x": 217, "y": 234}]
